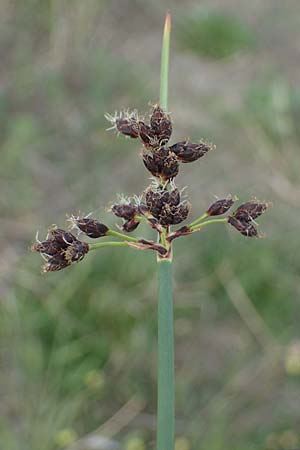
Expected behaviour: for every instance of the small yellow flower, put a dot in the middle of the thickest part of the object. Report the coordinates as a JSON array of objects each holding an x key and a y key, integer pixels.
[
  {"x": 182, "y": 443},
  {"x": 65, "y": 437},
  {"x": 94, "y": 380},
  {"x": 135, "y": 443}
]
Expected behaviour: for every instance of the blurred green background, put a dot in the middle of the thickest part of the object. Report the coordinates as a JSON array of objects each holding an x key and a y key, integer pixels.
[{"x": 78, "y": 347}]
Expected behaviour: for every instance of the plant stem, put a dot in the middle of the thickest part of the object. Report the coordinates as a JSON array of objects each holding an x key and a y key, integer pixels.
[
  {"x": 199, "y": 219},
  {"x": 164, "y": 67},
  {"x": 165, "y": 366},
  {"x": 121, "y": 236},
  {"x": 107, "y": 244},
  {"x": 165, "y": 392},
  {"x": 208, "y": 222}
]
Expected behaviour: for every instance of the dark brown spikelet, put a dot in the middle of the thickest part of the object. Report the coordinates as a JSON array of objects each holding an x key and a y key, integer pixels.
[
  {"x": 125, "y": 123},
  {"x": 125, "y": 211},
  {"x": 60, "y": 237},
  {"x": 250, "y": 231},
  {"x": 60, "y": 249},
  {"x": 155, "y": 200},
  {"x": 188, "y": 152},
  {"x": 245, "y": 228},
  {"x": 128, "y": 126},
  {"x": 220, "y": 207},
  {"x": 91, "y": 227},
  {"x": 142, "y": 209},
  {"x": 161, "y": 125},
  {"x": 173, "y": 215},
  {"x": 76, "y": 251},
  {"x": 48, "y": 247},
  {"x": 130, "y": 225},
  {"x": 243, "y": 217},
  {"x": 162, "y": 163},
  {"x": 166, "y": 207},
  {"x": 147, "y": 136},
  {"x": 250, "y": 210},
  {"x": 56, "y": 263}
]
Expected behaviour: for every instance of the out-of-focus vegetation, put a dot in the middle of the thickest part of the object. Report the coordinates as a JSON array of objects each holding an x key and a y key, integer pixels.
[
  {"x": 78, "y": 348},
  {"x": 214, "y": 35}
]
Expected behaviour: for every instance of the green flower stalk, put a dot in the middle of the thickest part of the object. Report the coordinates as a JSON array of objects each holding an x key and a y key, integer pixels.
[
  {"x": 164, "y": 67},
  {"x": 162, "y": 206},
  {"x": 165, "y": 320}
]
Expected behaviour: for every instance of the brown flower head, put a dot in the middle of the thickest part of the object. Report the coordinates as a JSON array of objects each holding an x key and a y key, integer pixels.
[
  {"x": 147, "y": 136},
  {"x": 244, "y": 216},
  {"x": 188, "y": 152},
  {"x": 89, "y": 226},
  {"x": 162, "y": 163},
  {"x": 160, "y": 206},
  {"x": 125, "y": 123},
  {"x": 126, "y": 211},
  {"x": 161, "y": 125},
  {"x": 130, "y": 225},
  {"x": 220, "y": 207},
  {"x": 166, "y": 206},
  {"x": 250, "y": 210},
  {"x": 245, "y": 228},
  {"x": 60, "y": 249}
]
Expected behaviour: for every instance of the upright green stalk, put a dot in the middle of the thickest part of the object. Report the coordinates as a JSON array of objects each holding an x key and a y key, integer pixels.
[
  {"x": 165, "y": 388},
  {"x": 165, "y": 397},
  {"x": 164, "y": 67}
]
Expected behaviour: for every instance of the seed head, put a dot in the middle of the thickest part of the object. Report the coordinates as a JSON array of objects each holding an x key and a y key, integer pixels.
[
  {"x": 130, "y": 225},
  {"x": 125, "y": 123},
  {"x": 173, "y": 215},
  {"x": 220, "y": 207},
  {"x": 160, "y": 206},
  {"x": 148, "y": 136},
  {"x": 162, "y": 163},
  {"x": 128, "y": 208},
  {"x": 245, "y": 228},
  {"x": 189, "y": 152},
  {"x": 243, "y": 217},
  {"x": 76, "y": 251},
  {"x": 156, "y": 198},
  {"x": 128, "y": 127},
  {"x": 166, "y": 206},
  {"x": 60, "y": 249},
  {"x": 250, "y": 210},
  {"x": 161, "y": 125},
  {"x": 91, "y": 227},
  {"x": 125, "y": 211}
]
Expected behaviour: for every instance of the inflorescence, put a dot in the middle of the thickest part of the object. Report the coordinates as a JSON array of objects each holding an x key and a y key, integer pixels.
[{"x": 161, "y": 205}]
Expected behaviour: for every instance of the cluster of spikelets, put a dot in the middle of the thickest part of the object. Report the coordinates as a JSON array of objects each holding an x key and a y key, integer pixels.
[{"x": 161, "y": 205}]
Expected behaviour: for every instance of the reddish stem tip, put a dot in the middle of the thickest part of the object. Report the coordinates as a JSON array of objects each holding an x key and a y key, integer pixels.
[{"x": 167, "y": 28}]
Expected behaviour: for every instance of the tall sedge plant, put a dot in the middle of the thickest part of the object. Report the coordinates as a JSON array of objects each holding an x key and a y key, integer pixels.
[
  {"x": 160, "y": 206},
  {"x": 165, "y": 319}
]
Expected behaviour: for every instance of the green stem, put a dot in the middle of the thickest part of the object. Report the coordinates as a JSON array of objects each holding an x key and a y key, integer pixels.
[
  {"x": 163, "y": 237},
  {"x": 107, "y": 244},
  {"x": 165, "y": 394},
  {"x": 121, "y": 236},
  {"x": 199, "y": 219},
  {"x": 164, "y": 66},
  {"x": 165, "y": 365},
  {"x": 208, "y": 222}
]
